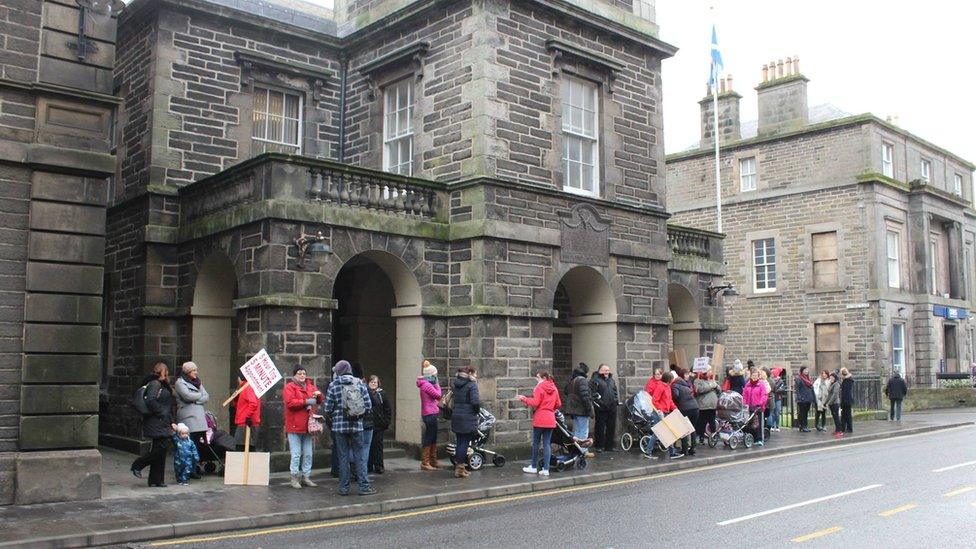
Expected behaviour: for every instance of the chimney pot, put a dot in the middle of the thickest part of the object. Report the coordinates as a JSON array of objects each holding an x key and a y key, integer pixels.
[
  {"x": 779, "y": 69},
  {"x": 765, "y": 73},
  {"x": 789, "y": 66},
  {"x": 728, "y": 80},
  {"x": 796, "y": 64}
]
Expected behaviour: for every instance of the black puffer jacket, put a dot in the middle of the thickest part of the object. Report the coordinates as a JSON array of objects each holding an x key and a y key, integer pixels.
[
  {"x": 847, "y": 392},
  {"x": 579, "y": 402},
  {"x": 896, "y": 389},
  {"x": 604, "y": 392},
  {"x": 683, "y": 397},
  {"x": 159, "y": 400},
  {"x": 381, "y": 412},
  {"x": 467, "y": 404}
]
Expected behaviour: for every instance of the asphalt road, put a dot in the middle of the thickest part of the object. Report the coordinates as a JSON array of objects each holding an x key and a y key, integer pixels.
[{"x": 892, "y": 493}]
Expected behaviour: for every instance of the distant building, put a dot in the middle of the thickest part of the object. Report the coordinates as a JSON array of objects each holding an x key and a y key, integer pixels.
[{"x": 851, "y": 241}]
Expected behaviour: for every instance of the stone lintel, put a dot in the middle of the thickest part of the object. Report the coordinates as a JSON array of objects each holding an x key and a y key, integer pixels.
[
  {"x": 286, "y": 300},
  {"x": 486, "y": 310}
]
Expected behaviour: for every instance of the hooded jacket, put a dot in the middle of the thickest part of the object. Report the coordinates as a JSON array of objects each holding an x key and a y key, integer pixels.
[
  {"x": 682, "y": 396},
  {"x": 545, "y": 400},
  {"x": 579, "y": 402},
  {"x": 896, "y": 389},
  {"x": 755, "y": 394},
  {"x": 248, "y": 407},
  {"x": 660, "y": 395},
  {"x": 296, "y": 405},
  {"x": 706, "y": 393},
  {"x": 467, "y": 403},
  {"x": 604, "y": 391},
  {"x": 334, "y": 409},
  {"x": 430, "y": 396}
]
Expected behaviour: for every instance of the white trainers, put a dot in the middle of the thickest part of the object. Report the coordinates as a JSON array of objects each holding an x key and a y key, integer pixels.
[
  {"x": 544, "y": 473},
  {"x": 530, "y": 470}
]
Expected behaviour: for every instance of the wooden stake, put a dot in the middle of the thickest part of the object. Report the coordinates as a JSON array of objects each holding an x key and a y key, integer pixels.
[
  {"x": 237, "y": 392},
  {"x": 247, "y": 452}
]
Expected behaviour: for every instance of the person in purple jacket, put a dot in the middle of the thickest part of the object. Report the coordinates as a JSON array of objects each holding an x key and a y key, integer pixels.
[{"x": 430, "y": 396}]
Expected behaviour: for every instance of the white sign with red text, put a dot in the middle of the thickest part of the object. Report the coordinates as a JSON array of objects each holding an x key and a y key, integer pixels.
[{"x": 261, "y": 373}]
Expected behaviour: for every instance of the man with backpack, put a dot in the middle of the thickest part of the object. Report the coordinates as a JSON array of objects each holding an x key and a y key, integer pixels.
[{"x": 346, "y": 404}]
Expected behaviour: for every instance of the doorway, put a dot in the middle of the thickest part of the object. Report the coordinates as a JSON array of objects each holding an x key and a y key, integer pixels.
[
  {"x": 684, "y": 337},
  {"x": 585, "y": 329},
  {"x": 212, "y": 336}
]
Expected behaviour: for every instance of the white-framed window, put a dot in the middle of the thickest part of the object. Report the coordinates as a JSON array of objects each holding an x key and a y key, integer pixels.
[
  {"x": 747, "y": 174},
  {"x": 645, "y": 9},
  {"x": 893, "y": 241},
  {"x": 887, "y": 159},
  {"x": 764, "y": 265},
  {"x": 580, "y": 137},
  {"x": 926, "y": 171},
  {"x": 957, "y": 184},
  {"x": 898, "y": 348},
  {"x": 398, "y": 127},
  {"x": 277, "y": 119}
]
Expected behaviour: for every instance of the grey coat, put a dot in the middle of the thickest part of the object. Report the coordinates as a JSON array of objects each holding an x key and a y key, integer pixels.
[
  {"x": 707, "y": 394},
  {"x": 189, "y": 405}
]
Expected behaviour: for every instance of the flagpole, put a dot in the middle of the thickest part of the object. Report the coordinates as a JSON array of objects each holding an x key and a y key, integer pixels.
[{"x": 718, "y": 176}]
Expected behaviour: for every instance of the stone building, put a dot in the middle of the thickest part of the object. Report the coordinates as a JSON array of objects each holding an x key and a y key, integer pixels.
[
  {"x": 56, "y": 157},
  {"x": 486, "y": 175},
  {"x": 850, "y": 240}
]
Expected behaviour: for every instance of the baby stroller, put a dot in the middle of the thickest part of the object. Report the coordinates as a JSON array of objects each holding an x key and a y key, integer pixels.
[
  {"x": 640, "y": 416},
  {"x": 567, "y": 450},
  {"x": 218, "y": 443},
  {"x": 732, "y": 418},
  {"x": 477, "y": 452}
]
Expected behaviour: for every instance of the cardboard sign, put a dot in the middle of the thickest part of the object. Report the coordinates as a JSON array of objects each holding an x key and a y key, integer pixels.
[
  {"x": 678, "y": 358},
  {"x": 701, "y": 365},
  {"x": 258, "y": 468},
  {"x": 717, "y": 355},
  {"x": 261, "y": 374},
  {"x": 673, "y": 427}
]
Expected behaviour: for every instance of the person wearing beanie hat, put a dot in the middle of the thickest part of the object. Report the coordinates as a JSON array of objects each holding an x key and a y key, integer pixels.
[
  {"x": 430, "y": 396},
  {"x": 342, "y": 368}
]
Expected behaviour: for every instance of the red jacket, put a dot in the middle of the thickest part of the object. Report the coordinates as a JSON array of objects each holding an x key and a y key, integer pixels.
[
  {"x": 545, "y": 400},
  {"x": 660, "y": 395},
  {"x": 248, "y": 406},
  {"x": 296, "y": 405}
]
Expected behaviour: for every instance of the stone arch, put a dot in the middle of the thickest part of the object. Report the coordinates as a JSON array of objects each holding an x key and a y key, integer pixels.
[
  {"x": 685, "y": 322},
  {"x": 378, "y": 324},
  {"x": 212, "y": 341},
  {"x": 586, "y": 327}
]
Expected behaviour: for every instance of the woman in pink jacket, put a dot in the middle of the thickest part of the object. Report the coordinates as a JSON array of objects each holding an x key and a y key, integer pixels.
[
  {"x": 754, "y": 395},
  {"x": 430, "y": 396}
]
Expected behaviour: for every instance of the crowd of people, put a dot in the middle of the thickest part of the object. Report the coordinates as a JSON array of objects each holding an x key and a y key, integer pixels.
[{"x": 357, "y": 413}]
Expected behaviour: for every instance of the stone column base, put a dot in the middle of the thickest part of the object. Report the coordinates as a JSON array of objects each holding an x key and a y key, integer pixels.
[{"x": 63, "y": 475}]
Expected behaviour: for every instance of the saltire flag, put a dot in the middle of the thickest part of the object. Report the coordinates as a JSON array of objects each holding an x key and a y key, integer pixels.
[{"x": 717, "y": 66}]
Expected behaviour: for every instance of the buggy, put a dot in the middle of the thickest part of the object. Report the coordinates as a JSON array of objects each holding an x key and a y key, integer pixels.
[{"x": 478, "y": 453}]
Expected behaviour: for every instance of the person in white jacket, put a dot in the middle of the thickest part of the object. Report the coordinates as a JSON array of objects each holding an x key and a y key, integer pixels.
[{"x": 820, "y": 387}]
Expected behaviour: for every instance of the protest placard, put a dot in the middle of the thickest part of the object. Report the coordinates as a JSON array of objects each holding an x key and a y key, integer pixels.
[
  {"x": 701, "y": 365},
  {"x": 261, "y": 373}
]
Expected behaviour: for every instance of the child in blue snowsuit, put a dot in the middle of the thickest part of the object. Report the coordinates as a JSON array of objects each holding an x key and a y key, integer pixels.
[{"x": 185, "y": 455}]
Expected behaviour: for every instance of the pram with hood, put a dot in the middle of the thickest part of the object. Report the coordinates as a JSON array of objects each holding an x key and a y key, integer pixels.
[
  {"x": 478, "y": 453},
  {"x": 732, "y": 418},
  {"x": 567, "y": 451},
  {"x": 218, "y": 443},
  {"x": 640, "y": 416}
]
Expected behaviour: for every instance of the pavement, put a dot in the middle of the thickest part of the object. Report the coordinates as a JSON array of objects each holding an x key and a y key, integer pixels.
[{"x": 131, "y": 512}]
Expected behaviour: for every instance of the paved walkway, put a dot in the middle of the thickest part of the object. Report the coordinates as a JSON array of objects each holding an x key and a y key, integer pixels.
[{"x": 132, "y": 512}]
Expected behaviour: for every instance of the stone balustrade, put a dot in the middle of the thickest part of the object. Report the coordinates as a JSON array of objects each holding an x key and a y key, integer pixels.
[
  {"x": 373, "y": 191},
  {"x": 686, "y": 241}
]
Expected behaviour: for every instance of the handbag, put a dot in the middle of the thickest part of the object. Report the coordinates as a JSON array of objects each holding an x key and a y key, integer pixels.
[{"x": 315, "y": 424}]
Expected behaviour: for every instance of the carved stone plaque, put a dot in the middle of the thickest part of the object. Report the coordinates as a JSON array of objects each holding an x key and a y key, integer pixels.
[{"x": 585, "y": 236}]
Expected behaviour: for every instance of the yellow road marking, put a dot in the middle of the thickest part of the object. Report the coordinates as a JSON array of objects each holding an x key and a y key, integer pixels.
[
  {"x": 959, "y": 491},
  {"x": 532, "y": 495},
  {"x": 820, "y": 534},
  {"x": 897, "y": 510}
]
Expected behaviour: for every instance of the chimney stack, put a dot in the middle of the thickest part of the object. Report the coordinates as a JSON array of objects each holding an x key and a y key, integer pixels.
[
  {"x": 782, "y": 97},
  {"x": 728, "y": 115}
]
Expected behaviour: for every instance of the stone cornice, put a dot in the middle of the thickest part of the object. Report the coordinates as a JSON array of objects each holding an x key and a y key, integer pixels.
[
  {"x": 250, "y": 58},
  {"x": 286, "y": 300},
  {"x": 57, "y": 159},
  {"x": 43, "y": 88}
]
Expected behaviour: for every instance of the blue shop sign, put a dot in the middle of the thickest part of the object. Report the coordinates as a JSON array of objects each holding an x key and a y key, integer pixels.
[{"x": 951, "y": 313}]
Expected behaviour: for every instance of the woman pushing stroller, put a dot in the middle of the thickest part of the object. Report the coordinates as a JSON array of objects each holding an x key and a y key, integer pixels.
[{"x": 545, "y": 400}]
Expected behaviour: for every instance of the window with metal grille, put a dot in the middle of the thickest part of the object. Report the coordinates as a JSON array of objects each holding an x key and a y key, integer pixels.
[
  {"x": 277, "y": 120},
  {"x": 580, "y": 137}
]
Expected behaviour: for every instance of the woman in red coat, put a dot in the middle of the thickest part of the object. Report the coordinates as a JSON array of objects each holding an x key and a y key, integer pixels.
[
  {"x": 545, "y": 400},
  {"x": 247, "y": 414},
  {"x": 659, "y": 387},
  {"x": 300, "y": 396}
]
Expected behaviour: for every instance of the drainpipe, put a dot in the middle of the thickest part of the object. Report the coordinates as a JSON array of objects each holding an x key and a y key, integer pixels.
[{"x": 343, "y": 71}]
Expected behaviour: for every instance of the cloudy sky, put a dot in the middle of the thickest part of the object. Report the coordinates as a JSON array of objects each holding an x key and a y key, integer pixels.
[{"x": 891, "y": 58}]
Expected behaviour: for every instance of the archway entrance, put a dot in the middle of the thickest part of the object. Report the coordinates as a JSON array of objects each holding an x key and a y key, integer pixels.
[
  {"x": 684, "y": 338},
  {"x": 379, "y": 328},
  {"x": 586, "y": 327},
  {"x": 213, "y": 344}
]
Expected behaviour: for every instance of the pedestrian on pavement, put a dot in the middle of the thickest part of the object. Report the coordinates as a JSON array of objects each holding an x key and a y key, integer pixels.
[
  {"x": 300, "y": 396},
  {"x": 347, "y": 402},
  {"x": 820, "y": 393},
  {"x": 659, "y": 387},
  {"x": 157, "y": 425},
  {"x": 780, "y": 394},
  {"x": 755, "y": 395},
  {"x": 464, "y": 417},
  {"x": 545, "y": 401},
  {"x": 382, "y": 416},
  {"x": 734, "y": 379},
  {"x": 430, "y": 396},
  {"x": 684, "y": 398},
  {"x": 706, "y": 393},
  {"x": 246, "y": 414},
  {"x": 357, "y": 372},
  {"x": 833, "y": 404},
  {"x": 605, "y": 402},
  {"x": 185, "y": 454},
  {"x": 896, "y": 390},
  {"x": 804, "y": 398},
  {"x": 846, "y": 400},
  {"x": 579, "y": 403},
  {"x": 190, "y": 398}
]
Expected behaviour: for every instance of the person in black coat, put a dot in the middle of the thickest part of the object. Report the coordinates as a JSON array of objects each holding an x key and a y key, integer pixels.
[
  {"x": 579, "y": 402},
  {"x": 684, "y": 398},
  {"x": 464, "y": 416},
  {"x": 896, "y": 390},
  {"x": 605, "y": 398},
  {"x": 156, "y": 426},
  {"x": 805, "y": 397},
  {"x": 846, "y": 400},
  {"x": 381, "y": 416}
]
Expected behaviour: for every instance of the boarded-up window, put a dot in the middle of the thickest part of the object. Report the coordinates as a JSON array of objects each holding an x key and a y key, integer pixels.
[
  {"x": 827, "y": 345},
  {"x": 824, "y": 260}
]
